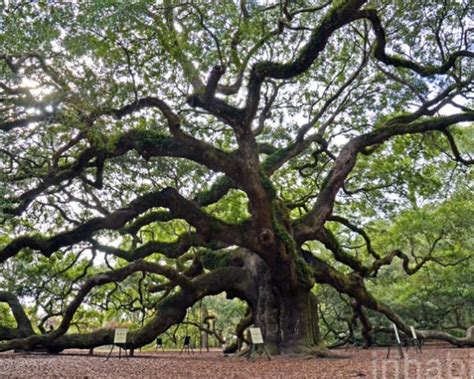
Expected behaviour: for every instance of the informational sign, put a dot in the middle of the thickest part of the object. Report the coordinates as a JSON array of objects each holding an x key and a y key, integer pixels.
[
  {"x": 256, "y": 335},
  {"x": 257, "y": 339},
  {"x": 120, "y": 336},
  {"x": 396, "y": 334},
  {"x": 413, "y": 332}
]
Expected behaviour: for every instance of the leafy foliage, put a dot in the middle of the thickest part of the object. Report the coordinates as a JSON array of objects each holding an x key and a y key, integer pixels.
[{"x": 152, "y": 150}]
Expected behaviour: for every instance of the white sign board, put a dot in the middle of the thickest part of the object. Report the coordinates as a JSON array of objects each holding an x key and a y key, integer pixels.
[
  {"x": 396, "y": 333},
  {"x": 120, "y": 336},
  {"x": 413, "y": 332},
  {"x": 256, "y": 335}
]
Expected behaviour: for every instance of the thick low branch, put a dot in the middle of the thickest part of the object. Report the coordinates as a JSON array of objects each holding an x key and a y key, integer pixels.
[
  {"x": 148, "y": 144},
  {"x": 113, "y": 221},
  {"x": 168, "y": 249},
  {"x": 240, "y": 328},
  {"x": 353, "y": 285},
  {"x": 208, "y": 227},
  {"x": 98, "y": 280},
  {"x": 170, "y": 310},
  {"x": 24, "y": 327},
  {"x": 204, "y": 198}
]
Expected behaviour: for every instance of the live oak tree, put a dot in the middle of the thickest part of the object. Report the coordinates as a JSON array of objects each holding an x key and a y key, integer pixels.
[{"x": 181, "y": 149}]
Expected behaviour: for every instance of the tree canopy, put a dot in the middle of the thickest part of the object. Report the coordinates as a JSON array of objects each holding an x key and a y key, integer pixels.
[{"x": 307, "y": 157}]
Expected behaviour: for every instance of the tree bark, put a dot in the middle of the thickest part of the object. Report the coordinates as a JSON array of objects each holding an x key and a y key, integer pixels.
[
  {"x": 24, "y": 327},
  {"x": 288, "y": 318}
]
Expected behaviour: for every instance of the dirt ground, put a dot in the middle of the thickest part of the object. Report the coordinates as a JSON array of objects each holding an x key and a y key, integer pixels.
[{"x": 434, "y": 362}]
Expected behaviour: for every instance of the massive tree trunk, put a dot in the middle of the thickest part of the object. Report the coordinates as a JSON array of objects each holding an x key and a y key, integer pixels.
[
  {"x": 289, "y": 321},
  {"x": 287, "y": 315}
]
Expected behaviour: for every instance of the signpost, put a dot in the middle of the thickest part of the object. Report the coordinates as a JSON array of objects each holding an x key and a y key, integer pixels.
[
  {"x": 257, "y": 339},
  {"x": 399, "y": 343},
  {"x": 414, "y": 340},
  {"x": 256, "y": 335},
  {"x": 187, "y": 346},
  {"x": 120, "y": 340}
]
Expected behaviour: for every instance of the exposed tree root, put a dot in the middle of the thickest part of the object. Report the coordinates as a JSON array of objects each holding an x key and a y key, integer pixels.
[{"x": 309, "y": 352}]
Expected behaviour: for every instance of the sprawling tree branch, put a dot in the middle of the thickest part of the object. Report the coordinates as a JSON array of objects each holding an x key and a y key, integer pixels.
[
  {"x": 357, "y": 230},
  {"x": 170, "y": 198},
  {"x": 168, "y": 249},
  {"x": 69, "y": 142},
  {"x": 24, "y": 327},
  {"x": 454, "y": 148},
  {"x": 380, "y": 53},
  {"x": 341, "y": 15},
  {"x": 148, "y": 144},
  {"x": 353, "y": 285},
  {"x": 346, "y": 161},
  {"x": 170, "y": 310}
]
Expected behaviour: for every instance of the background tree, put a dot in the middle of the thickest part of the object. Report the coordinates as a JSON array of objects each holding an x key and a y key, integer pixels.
[{"x": 155, "y": 154}]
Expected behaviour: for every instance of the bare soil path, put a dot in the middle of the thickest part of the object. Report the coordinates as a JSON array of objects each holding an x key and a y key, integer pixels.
[{"x": 435, "y": 362}]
